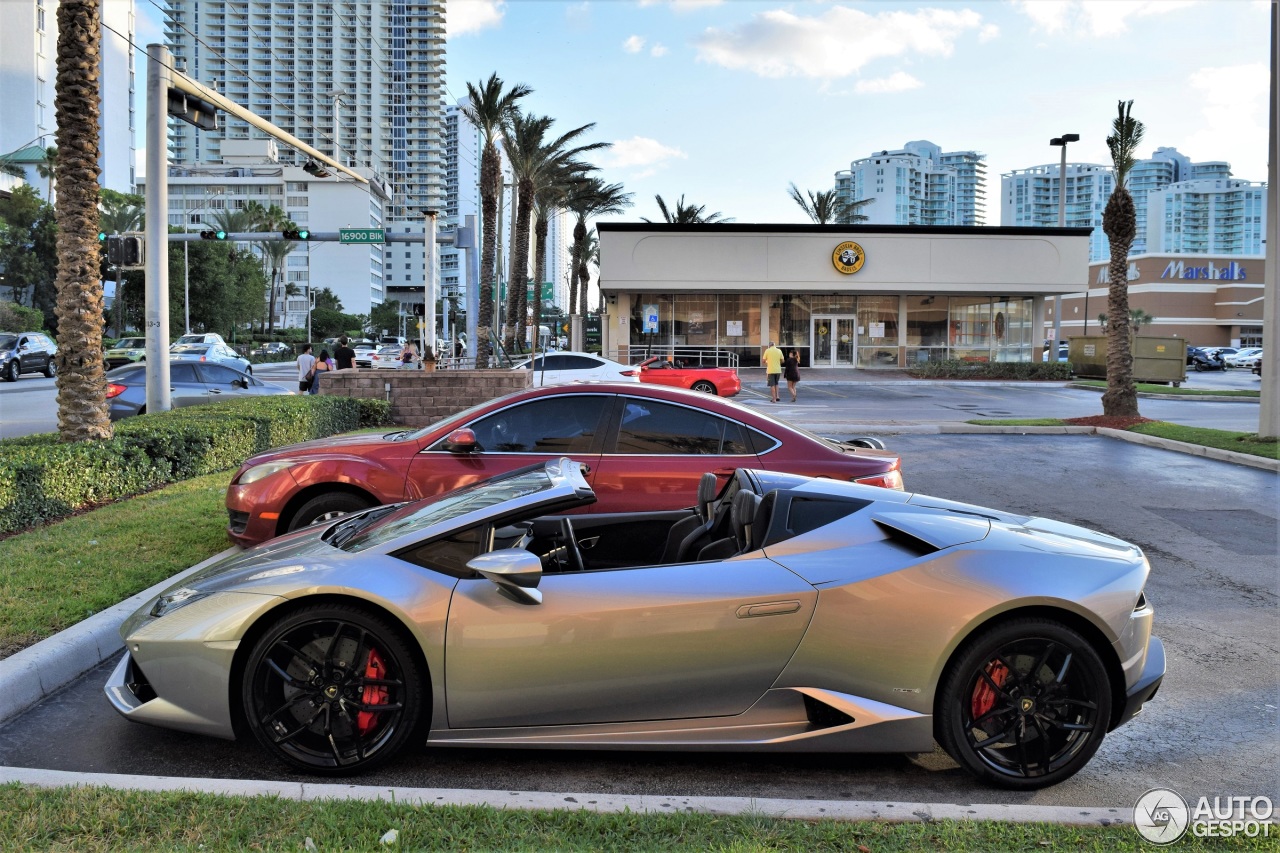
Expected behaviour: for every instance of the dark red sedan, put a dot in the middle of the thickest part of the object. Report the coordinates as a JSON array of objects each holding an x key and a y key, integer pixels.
[
  {"x": 644, "y": 448},
  {"x": 721, "y": 381}
]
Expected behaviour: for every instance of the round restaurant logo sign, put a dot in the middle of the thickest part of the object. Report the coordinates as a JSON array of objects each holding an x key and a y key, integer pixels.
[{"x": 848, "y": 257}]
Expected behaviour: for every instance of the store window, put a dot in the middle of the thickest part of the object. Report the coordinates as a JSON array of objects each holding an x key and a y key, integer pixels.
[
  {"x": 739, "y": 329},
  {"x": 926, "y": 328},
  {"x": 970, "y": 332},
  {"x": 1011, "y": 329},
  {"x": 877, "y": 331}
]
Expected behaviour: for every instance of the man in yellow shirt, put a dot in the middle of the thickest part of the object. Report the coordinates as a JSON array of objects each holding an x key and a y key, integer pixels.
[{"x": 773, "y": 368}]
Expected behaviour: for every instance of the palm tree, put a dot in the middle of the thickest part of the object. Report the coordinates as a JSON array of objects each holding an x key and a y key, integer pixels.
[
  {"x": 1120, "y": 224},
  {"x": 273, "y": 251},
  {"x": 49, "y": 171},
  {"x": 686, "y": 214},
  {"x": 1137, "y": 319},
  {"x": 535, "y": 163},
  {"x": 488, "y": 109},
  {"x": 827, "y": 207},
  {"x": 82, "y": 387},
  {"x": 592, "y": 198}
]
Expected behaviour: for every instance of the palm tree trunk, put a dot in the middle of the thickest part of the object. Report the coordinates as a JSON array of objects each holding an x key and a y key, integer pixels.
[
  {"x": 82, "y": 387},
  {"x": 518, "y": 286},
  {"x": 490, "y": 195},
  {"x": 540, "y": 274},
  {"x": 1119, "y": 220},
  {"x": 579, "y": 247}
]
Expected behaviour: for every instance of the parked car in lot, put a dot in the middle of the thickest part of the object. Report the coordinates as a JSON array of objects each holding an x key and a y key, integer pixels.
[
  {"x": 190, "y": 384},
  {"x": 386, "y": 358},
  {"x": 1242, "y": 358},
  {"x": 557, "y": 367},
  {"x": 200, "y": 338},
  {"x": 677, "y": 373},
  {"x": 364, "y": 354},
  {"x": 26, "y": 352},
  {"x": 215, "y": 353},
  {"x": 645, "y": 448},
  {"x": 820, "y": 616},
  {"x": 125, "y": 351},
  {"x": 274, "y": 348}
]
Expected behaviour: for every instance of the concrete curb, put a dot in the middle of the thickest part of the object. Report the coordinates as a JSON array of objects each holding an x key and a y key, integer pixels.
[
  {"x": 1156, "y": 395},
  {"x": 843, "y": 810},
  {"x": 38, "y": 671}
]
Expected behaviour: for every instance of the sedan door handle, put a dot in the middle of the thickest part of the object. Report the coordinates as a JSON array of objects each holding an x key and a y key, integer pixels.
[{"x": 769, "y": 608}]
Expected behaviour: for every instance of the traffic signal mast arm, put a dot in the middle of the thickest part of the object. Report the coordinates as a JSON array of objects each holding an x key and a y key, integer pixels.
[{"x": 445, "y": 239}]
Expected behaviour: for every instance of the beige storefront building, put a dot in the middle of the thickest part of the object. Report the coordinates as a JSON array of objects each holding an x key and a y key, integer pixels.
[
  {"x": 1209, "y": 300},
  {"x": 842, "y": 296}
]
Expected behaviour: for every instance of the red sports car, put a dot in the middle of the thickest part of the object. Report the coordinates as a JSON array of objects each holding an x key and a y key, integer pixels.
[
  {"x": 644, "y": 448},
  {"x": 721, "y": 381}
]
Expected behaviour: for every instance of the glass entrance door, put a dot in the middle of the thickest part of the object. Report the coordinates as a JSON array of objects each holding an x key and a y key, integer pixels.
[{"x": 835, "y": 341}]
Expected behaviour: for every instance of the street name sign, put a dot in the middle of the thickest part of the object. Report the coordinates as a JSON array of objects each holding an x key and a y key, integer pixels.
[{"x": 361, "y": 235}]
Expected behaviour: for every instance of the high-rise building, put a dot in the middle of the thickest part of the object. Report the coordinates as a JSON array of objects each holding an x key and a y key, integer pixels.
[
  {"x": 251, "y": 173},
  {"x": 358, "y": 79},
  {"x": 28, "y": 61},
  {"x": 1220, "y": 216},
  {"x": 917, "y": 184},
  {"x": 1206, "y": 214}
]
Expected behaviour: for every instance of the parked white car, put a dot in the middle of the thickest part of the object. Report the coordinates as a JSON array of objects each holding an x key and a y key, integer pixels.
[
  {"x": 557, "y": 367},
  {"x": 1243, "y": 358},
  {"x": 386, "y": 358}
]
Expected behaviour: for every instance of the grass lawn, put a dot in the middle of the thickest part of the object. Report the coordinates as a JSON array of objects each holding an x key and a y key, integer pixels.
[
  {"x": 94, "y": 819},
  {"x": 59, "y": 574},
  {"x": 1148, "y": 388}
]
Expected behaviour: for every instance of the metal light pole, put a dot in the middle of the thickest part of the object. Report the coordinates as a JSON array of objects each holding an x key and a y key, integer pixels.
[
  {"x": 337, "y": 99},
  {"x": 1060, "y": 141}
]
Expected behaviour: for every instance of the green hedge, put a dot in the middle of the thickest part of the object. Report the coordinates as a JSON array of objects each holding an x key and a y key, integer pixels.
[
  {"x": 42, "y": 479},
  {"x": 954, "y": 369}
]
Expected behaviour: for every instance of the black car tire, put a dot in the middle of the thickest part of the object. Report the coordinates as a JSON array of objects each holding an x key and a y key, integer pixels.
[
  {"x": 327, "y": 506},
  {"x": 333, "y": 689},
  {"x": 1024, "y": 704},
  {"x": 705, "y": 387},
  {"x": 12, "y": 371},
  {"x": 50, "y": 369},
  {"x": 1199, "y": 367}
]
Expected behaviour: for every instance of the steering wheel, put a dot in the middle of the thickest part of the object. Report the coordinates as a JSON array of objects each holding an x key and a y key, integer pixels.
[{"x": 571, "y": 554}]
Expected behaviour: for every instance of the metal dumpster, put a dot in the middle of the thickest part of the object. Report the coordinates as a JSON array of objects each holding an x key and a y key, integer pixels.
[{"x": 1155, "y": 359}]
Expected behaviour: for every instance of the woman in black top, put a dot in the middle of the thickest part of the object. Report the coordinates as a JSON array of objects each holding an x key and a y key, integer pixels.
[{"x": 791, "y": 372}]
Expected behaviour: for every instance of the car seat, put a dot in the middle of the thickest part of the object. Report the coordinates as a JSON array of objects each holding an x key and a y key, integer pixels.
[
  {"x": 694, "y": 525},
  {"x": 742, "y": 515}
]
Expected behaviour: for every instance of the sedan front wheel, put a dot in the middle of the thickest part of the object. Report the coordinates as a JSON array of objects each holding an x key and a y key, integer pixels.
[
  {"x": 332, "y": 689},
  {"x": 1025, "y": 704}
]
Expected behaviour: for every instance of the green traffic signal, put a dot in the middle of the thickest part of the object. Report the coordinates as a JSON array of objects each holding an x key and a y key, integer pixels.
[
  {"x": 296, "y": 234},
  {"x": 102, "y": 236},
  {"x": 213, "y": 235}
]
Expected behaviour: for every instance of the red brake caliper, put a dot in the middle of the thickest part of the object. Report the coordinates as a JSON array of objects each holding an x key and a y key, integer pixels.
[
  {"x": 984, "y": 697},
  {"x": 374, "y": 694}
]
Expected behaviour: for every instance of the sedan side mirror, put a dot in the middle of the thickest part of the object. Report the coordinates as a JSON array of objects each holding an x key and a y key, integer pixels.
[
  {"x": 514, "y": 571},
  {"x": 461, "y": 440}
]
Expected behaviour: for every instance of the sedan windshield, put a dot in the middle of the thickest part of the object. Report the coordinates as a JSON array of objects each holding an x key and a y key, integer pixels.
[{"x": 421, "y": 515}]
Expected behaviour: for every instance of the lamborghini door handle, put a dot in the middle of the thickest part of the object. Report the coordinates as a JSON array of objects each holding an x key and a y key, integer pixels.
[{"x": 768, "y": 608}]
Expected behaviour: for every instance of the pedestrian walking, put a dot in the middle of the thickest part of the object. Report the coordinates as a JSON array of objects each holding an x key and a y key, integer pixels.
[
  {"x": 773, "y": 368},
  {"x": 306, "y": 369},
  {"x": 791, "y": 372},
  {"x": 324, "y": 364},
  {"x": 344, "y": 355},
  {"x": 409, "y": 357}
]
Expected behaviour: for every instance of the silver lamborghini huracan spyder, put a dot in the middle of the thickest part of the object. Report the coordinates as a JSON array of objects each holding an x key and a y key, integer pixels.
[{"x": 782, "y": 613}]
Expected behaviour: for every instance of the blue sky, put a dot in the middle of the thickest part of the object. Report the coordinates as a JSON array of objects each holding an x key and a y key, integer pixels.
[{"x": 728, "y": 101}]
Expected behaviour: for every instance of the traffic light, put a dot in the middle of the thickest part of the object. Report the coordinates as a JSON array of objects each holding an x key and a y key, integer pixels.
[
  {"x": 297, "y": 234},
  {"x": 213, "y": 235},
  {"x": 131, "y": 251},
  {"x": 115, "y": 250},
  {"x": 419, "y": 309}
]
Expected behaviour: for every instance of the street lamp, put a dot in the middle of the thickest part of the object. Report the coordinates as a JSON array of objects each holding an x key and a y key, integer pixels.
[{"x": 1062, "y": 141}]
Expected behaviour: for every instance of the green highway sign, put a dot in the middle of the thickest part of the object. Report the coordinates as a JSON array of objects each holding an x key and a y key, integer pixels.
[{"x": 361, "y": 235}]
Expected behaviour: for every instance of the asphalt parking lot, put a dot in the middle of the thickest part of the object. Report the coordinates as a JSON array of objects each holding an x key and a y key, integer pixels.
[{"x": 1209, "y": 528}]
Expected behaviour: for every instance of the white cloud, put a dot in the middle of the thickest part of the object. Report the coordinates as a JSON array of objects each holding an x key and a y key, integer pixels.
[
  {"x": 1098, "y": 18},
  {"x": 635, "y": 44},
  {"x": 682, "y": 5},
  {"x": 988, "y": 33},
  {"x": 640, "y": 152},
  {"x": 658, "y": 51},
  {"x": 835, "y": 44},
  {"x": 472, "y": 16},
  {"x": 899, "y": 81},
  {"x": 1233, "y": 107}
]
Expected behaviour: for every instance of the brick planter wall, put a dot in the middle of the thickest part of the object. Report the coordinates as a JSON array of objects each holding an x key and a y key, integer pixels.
[{"x": 421, "y": 397}]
